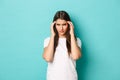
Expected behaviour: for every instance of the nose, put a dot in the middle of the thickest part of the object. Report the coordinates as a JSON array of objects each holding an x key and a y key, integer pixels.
[{"x": 61, "y": 27}]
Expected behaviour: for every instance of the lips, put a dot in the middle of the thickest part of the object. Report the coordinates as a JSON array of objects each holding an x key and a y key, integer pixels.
[{"x": 61, "y": 31}]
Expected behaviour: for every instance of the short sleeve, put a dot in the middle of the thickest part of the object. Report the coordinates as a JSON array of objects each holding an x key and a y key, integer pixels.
[
  {"x": 46, "y": 42},
  {"x": 79, "y": 43}
]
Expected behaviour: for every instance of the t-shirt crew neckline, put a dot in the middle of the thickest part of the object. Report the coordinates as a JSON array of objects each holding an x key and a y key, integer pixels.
[{"x": 62, "y": 38}]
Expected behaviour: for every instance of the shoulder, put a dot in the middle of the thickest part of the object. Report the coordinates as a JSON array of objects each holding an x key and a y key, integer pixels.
[
  {"x": 79, "y": 42},
  {"x": 78, "y": 39},
  {"x": 47, "y": 39}
]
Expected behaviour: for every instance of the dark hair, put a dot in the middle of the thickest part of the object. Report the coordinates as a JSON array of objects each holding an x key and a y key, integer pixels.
[{"x": 64, "y": 16}]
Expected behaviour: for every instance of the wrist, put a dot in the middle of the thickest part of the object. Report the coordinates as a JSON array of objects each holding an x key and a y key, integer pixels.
[
  {"x": 53, "y": 35},
  {"x": 72, "y": 33}
]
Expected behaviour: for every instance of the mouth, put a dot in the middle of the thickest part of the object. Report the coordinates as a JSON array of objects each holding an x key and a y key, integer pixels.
[{"x": 61, "y": 31}]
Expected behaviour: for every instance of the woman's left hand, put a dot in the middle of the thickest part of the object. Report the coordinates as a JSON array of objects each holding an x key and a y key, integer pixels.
[{"x": 71, "y": 27}]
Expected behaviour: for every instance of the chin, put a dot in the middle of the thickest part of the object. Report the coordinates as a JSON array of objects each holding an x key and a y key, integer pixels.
[{"x": 62, "y": 34}]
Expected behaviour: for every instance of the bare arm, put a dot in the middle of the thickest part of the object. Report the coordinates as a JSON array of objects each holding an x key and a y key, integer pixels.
[
  {"x": 75, "y": 50},
  {"x": 48, "y": 53}
]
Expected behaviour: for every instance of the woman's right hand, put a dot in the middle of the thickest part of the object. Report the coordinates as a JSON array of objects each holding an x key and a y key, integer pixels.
[{"x": 52, "y": 30}]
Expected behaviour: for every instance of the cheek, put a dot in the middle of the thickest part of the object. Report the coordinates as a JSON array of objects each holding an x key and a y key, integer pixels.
[
  {"x": 57, "y": 27},
  {"x": 65, "y": 28}
]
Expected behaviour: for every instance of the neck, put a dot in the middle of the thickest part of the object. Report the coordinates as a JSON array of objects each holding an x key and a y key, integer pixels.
[{"x": 61, "y": 36}]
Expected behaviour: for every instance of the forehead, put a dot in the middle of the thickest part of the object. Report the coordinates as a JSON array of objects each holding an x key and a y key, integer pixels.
[{"x": 60, "y": 21}]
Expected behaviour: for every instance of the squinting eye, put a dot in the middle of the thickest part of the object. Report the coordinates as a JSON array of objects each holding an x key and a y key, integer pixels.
[
  {"x": 58, "y": 24},
  {"x": 64, "y": 24}
]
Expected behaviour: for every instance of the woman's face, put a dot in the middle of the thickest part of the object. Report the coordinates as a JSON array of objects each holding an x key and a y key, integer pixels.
[{"x": 61, "y": 26}]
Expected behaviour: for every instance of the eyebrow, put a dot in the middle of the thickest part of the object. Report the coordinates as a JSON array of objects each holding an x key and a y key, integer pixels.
[
  {"x": 57, "y": 24},
  {"x": 62, "y": 24}
]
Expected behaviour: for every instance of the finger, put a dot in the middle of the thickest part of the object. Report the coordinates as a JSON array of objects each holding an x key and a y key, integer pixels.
[
  {"x": 54, "y": 22},
  {"x": 68, "y": 22},
  {"x": 71, "y": 24}
]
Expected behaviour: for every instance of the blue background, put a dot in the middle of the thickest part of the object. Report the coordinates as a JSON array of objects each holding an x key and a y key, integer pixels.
[{"x": 24, "y": 24}]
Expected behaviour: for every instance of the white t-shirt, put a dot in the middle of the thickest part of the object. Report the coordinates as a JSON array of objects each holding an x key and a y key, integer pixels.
[{"x": 63, "y": 67}]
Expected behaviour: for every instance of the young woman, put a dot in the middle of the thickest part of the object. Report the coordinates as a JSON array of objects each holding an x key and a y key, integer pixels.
[{"x": 62, "y": 49}]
